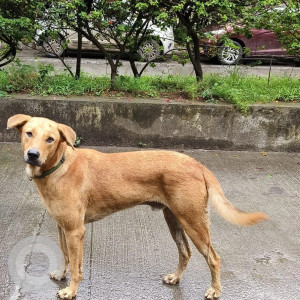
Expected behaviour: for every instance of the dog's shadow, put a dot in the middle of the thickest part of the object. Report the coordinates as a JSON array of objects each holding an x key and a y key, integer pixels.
[
  {"x": 177, "y": 293},
  {"x": 61, "y": 284}
]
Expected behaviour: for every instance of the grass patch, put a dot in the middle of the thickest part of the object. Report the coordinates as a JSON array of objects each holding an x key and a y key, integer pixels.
[
  {"x": 245, "y": 90},
  {"x": 239, "y": 90}
]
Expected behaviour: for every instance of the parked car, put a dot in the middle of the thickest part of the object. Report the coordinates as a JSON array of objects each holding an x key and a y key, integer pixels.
[
  {"x": 262, "y": 44},
  {"x": 157, "y": 43}
]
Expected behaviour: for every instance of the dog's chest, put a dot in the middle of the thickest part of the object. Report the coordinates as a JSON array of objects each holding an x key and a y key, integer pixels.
[{"x": 53, "y": 201}]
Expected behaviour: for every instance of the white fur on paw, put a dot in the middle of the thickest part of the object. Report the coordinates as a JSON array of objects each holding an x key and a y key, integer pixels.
[
  {"x": 212, "y": 293},
  {"x": 171, "y": 279},
  {"x": 65, "y": 293},
  {"x": 57, "y": 275}
]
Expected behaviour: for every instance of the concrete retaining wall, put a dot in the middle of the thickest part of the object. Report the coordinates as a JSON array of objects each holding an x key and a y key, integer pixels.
[{"x": 159, "y": 124}]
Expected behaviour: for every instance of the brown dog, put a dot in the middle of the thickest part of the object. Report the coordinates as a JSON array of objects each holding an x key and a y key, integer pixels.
[{"x": 82, "y": 186}]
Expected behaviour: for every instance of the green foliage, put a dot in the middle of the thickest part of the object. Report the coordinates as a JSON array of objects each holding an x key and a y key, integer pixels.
[
  {"x": 198, "y": 17},
  {"x": 125, "y": 24},
  {"x": 4, "y": 84},
  {"x": 78, "y": 141},
  {"x": 18, "y": 77},
  {"x": 194, "y": 19},
  {"x": 282, "y": 17},
  {"x": 44, "y": 71},
  {"x": 142, "y": 145},
  {"x": 17, "y": 24},
  {"x": 239, "y": 90},
  {"x": 64, "y": 84},
  {"x": 245, "y": 90},
  {"x": 153, "y": 86}
]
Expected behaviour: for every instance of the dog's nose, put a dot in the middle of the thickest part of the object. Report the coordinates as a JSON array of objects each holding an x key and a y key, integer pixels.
[{"x": 33, "y": 154}]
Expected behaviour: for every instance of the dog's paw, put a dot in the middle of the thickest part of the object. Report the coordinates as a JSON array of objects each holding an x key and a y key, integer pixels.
[
  {"x": 171, "y": 279},
  {"x": 57, "y": 275},
  {"x": 212, "y": 293},
  {"x": 66, "y": 293}
]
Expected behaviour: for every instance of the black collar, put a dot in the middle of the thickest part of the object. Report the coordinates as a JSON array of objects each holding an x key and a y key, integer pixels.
[{"x": 50, "y": 171}]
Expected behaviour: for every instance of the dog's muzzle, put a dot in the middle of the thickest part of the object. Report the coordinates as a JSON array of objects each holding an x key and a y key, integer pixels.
[{"x": 32, "y": 157}]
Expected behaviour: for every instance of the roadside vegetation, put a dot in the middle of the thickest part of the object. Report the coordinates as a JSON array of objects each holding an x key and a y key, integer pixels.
[
  {"x": 234, "y": 88},
  {"x": 127, "y": 26}
]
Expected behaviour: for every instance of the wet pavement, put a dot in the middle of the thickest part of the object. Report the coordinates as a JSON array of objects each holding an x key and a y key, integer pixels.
[{"x": 127, "y": 254}]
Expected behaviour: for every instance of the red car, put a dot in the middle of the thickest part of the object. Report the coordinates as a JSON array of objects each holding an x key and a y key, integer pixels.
[{"x": 262, "y": 44}]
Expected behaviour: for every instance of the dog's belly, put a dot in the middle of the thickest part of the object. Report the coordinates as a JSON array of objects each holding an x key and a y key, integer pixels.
[
  {"x": 92, "y": 217},
  {"x": 95, "y": 213}
]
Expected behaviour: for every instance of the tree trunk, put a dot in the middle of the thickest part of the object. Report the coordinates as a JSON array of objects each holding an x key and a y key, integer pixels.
[
  {"x": 194, "y": 54},
  {"x": 195, "y": 58},
  {"x": 113, "y": 66},
  {"x": 79, "y": 53},
  {"x": 133, "y": 67},
  {"x": 113, "y": 76},
  {"x": 197, "y": 67}
]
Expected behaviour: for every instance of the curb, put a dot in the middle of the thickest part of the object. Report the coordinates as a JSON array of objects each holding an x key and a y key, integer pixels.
[{"x": 156, "y": 123}]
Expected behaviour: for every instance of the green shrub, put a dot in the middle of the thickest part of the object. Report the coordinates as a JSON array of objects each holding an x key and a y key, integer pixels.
[{"x": 239, "y": 90}]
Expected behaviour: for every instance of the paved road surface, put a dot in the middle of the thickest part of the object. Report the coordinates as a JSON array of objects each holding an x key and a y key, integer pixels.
[
  {"x": 98, "y": 66},
  {"x": 127, "y": 254}
]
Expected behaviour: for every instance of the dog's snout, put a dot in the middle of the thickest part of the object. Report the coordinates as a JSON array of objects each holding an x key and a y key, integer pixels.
[
  {"x": 33, "y": 154},
  {"x": 32, "y": 157}
]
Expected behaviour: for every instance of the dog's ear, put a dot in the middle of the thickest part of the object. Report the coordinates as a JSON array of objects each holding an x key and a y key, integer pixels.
[
  {"x": 17, "y": 121},
  {"x": 67, "y": 134}
]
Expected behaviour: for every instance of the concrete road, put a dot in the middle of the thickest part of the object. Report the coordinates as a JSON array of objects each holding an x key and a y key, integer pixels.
[
  {"x": 97, "y": 66},
  {"x": 127, "y": 254}
]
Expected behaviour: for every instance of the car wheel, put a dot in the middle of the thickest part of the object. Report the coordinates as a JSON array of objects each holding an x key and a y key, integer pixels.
[
  {"x": 54, "y": 47},
  {"x": 227, "y": 55},
  {"x": 149, "y": 50}
]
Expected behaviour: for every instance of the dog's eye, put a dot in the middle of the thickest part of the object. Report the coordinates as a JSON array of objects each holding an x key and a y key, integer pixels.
[
  {"x": 29, "y": 134},
  {"x": 49, "y": 140}
]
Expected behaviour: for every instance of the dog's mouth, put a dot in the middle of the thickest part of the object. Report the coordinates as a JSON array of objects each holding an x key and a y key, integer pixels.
[{"x": 33, "y": 162}]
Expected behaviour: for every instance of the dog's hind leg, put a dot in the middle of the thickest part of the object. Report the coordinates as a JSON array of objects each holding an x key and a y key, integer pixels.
[
  {"x": 62, "y": 272},
  {"x": 197, "y": 229},
  {"x": 181, "y": 241}
]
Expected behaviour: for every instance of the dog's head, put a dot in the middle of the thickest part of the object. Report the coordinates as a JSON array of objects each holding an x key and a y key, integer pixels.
[{"x": 40, "y": 137}]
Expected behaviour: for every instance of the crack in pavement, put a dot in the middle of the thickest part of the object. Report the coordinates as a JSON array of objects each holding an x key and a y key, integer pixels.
[{"x": 91, "y": 262}]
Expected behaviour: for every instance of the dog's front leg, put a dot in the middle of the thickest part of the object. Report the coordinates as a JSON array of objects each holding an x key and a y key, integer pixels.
[
  {"x": 62, "y": 272},
  {"x": 74, "y": 241}
]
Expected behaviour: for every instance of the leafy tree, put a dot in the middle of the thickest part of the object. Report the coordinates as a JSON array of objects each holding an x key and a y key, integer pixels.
[
  {"x": 280, "y": 16},
  {"x": 195, "y": 16},
  {"x": 17, "y": 24},
  {"x": 126, "y": 24}
]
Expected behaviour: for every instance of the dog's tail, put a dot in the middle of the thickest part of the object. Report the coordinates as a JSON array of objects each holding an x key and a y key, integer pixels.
[{"x": 224, "y": 208}]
